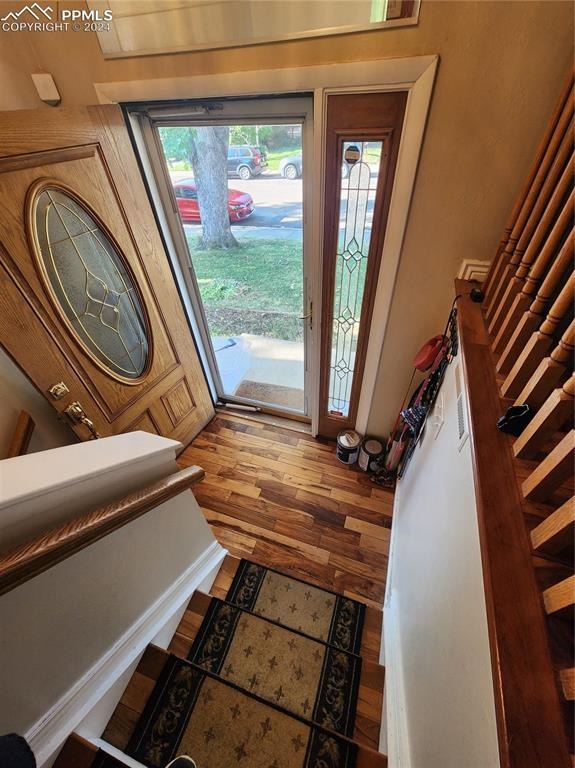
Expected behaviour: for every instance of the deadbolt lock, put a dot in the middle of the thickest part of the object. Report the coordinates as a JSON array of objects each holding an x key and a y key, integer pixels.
[{"x": 59, "y": 390}]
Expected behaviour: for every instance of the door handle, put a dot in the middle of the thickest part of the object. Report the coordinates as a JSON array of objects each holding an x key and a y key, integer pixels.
[
  {"x": 309, "y": 316},
  {"x": 77, "y": 415}
]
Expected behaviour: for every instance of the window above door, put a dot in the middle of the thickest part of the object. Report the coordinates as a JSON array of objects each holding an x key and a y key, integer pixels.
[{"x": 169, "y": 26}]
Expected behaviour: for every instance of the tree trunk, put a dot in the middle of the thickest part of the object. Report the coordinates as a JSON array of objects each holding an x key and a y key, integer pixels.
[{"x": 209, "y": 158}]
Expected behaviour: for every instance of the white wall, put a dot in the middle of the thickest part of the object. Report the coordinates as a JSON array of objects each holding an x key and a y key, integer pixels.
[
  {"x": 439, "y": 692},
  {"x": 17, "y": 394},
  {"x": 68, "y": 634}
]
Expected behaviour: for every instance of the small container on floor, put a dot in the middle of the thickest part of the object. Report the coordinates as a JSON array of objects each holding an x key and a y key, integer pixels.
[
  {"x": 370, "y": 451},
  {"x": 347, "y": 449}
]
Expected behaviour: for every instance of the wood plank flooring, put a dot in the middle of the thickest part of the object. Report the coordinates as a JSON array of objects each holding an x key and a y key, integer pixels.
[{"x": 282, "y": 498}]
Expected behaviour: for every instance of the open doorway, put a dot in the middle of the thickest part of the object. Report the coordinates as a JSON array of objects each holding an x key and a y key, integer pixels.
[{"x": 235, "y": 173}]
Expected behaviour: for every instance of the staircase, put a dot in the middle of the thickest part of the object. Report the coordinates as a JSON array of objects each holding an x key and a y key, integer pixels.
[
  {"x": 79, "y": 753},
  {"x": 518, "y": 351}
]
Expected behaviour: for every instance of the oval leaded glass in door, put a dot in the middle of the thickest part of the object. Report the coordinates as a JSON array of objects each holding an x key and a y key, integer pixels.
[{"x": 90, "y": 281}]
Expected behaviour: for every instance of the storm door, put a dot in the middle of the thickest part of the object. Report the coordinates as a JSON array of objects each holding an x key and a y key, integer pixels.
[{"x": 233, "y": 175}]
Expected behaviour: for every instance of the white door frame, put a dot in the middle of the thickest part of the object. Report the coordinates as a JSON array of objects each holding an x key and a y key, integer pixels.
[
  {"x": 274, "y": 110},
  {"x": 415, "y": 75}
]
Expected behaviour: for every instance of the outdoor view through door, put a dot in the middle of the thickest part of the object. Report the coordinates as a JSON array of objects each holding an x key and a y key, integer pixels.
[{"x": 238, "y": 191}]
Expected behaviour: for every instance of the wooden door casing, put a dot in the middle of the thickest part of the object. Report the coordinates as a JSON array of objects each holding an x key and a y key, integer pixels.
[
  {"x": 88, "y": 151},
  {"x": 355, "y": 117}
]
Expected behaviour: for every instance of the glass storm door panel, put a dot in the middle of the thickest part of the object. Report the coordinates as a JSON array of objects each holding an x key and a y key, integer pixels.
[
  {"x": 247, "y": 262},
  {"x": 362, "y": 142}
]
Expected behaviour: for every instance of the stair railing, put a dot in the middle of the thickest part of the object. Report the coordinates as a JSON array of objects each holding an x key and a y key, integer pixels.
[{"x": 518, "y": 349}]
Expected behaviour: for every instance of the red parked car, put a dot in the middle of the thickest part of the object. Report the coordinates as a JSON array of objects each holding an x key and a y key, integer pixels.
[{"x": 240, "y": 204}]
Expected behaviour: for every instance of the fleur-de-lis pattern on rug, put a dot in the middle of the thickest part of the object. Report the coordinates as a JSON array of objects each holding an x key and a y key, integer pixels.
[
  {"x": 328, "y": 617},
  {"x": 301, "y": 674},
  {"x": 191, "y": 712}
]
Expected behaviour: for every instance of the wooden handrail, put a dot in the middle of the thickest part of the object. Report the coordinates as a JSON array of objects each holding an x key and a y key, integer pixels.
[
  {"x": 529, "y": 720},
  {"x": 22, "y": 435},
  {"x": 45, "y": 551}
]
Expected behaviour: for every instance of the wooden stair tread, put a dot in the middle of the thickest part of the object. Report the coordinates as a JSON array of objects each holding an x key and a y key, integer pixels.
[
  {"x": 556, "y": 532},
  {"x": 76, "y": 753},
  {"x": 560, "y": 596},
  {"x": 567, "y": 677}
]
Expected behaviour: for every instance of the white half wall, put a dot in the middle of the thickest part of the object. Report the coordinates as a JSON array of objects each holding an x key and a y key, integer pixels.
[
  {"x": 67, "y": 635},
  {"x": 439, "y": 692}
]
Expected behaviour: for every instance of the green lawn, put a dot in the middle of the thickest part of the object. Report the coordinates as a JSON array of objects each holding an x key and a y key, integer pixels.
[
  {"x": 255, "y": 288},
  {"x": 274, "y": 156}
]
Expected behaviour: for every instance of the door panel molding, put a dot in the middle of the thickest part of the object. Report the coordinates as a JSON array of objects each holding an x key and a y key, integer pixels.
[
  {"x": 34, "y": 159},
  {"x": 89, "y": 152},
  {"x": 178, "y": 402}
]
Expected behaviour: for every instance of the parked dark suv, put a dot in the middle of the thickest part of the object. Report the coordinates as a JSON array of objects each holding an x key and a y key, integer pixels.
[{"x": 245, "y": 161}]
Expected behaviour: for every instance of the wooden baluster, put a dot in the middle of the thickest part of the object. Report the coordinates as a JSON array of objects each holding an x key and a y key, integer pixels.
[
  {"x": 528, "y": 203},
  {"x": 532, "y": 318},
  {"x": 556, "y": 411},
  {"x": 518, "y": 295},
  {"x": 557, "y": 185},
  {"x": 500, "y": 262},
  {"x": 560, "y": 596},
  {"x": 549, "y": 371},
  {"x": 552, "y": 472},
  {"x": 557, "y": 531}
]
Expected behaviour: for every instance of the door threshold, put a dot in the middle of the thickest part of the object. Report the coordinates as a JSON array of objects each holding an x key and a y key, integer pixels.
[{"x": 284, "y": 422}]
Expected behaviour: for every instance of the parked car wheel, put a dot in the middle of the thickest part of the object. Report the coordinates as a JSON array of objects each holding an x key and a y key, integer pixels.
[
  {"x": 244, "y": 173},
  {"x": 290, "y": 171}
]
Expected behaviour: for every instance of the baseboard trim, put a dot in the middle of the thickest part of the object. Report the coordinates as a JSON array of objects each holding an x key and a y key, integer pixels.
[
  {"x": 396, "y": 741},
  {"x": 125, "y": 759},
  {"x": 48, "y": 734},
  {"x": 397, "y": 747}
]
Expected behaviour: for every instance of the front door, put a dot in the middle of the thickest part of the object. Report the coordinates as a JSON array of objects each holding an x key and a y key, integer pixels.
[{"x": 88, "y": 306}]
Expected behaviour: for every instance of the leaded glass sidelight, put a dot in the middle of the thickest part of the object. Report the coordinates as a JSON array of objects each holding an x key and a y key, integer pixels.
[
  {"x": 357, "y": 199},
  {"x": 90, "y": 282}
]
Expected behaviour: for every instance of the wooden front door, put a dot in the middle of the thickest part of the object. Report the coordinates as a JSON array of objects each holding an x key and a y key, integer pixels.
[{"x": 87, "y": 297}]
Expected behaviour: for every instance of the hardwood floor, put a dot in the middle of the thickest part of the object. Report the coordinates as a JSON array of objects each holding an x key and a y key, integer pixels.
[{"x": 282, "y": 499}]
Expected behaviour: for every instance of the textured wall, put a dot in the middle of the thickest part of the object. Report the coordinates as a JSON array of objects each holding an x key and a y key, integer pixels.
[
  {"x": 435, "y": 601},
  {"x": 502, "y": 64}
]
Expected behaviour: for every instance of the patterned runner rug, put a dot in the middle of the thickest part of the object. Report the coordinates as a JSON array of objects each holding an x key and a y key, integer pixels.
[
  {"x": 316, "y": 612},
  {"x": 300, "y": 674},
  {"x": 192, "y": 712}
]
